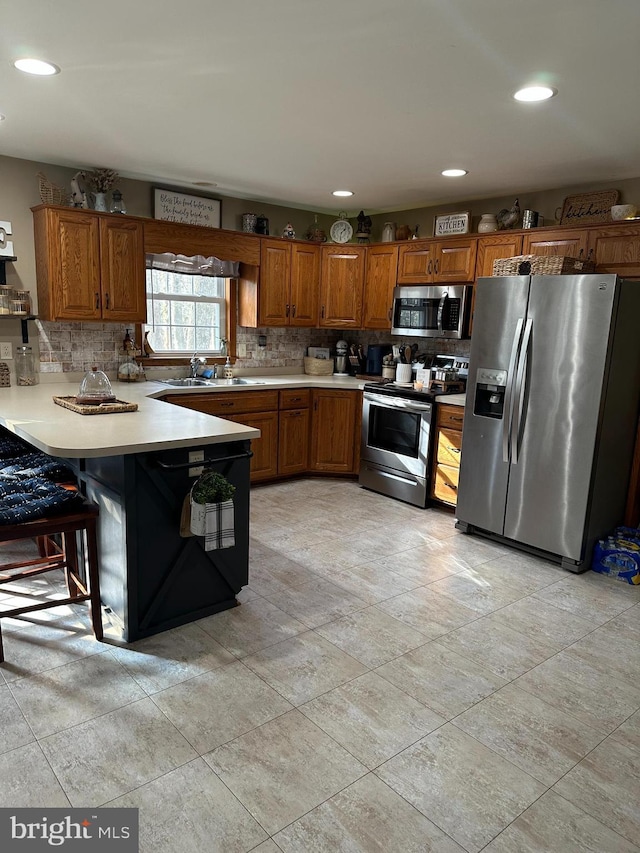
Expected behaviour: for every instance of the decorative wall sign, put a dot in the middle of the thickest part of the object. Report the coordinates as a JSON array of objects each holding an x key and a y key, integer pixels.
[
  {"x": 188, "y": 209},
  {"x": 452, "y": 223},
  {"x": 589, "y": 208}
]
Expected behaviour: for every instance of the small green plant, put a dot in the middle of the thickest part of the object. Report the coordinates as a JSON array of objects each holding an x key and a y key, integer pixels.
[{"x": 212, "y": 488}]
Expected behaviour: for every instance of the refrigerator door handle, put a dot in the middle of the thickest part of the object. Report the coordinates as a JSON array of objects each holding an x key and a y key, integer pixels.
[
  {"x": 508, "y": 397},
  {"x": 519, "y": 392},
  {"x": 443, "y": 299}
]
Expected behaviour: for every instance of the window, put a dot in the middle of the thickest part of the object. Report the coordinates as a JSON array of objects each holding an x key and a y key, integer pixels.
[{"x": 188, "y": 304}]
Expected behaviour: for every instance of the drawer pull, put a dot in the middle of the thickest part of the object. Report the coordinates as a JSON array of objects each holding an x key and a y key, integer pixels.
[
  {"x": 453, "y": 449},
  {"x": 227, "y": 405},
  {"x": 454, "y": 418},
  {"x": 451, "y": 486}
]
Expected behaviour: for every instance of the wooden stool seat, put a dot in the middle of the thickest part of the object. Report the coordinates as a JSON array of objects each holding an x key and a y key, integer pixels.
[{"x": 54, "y": 555}]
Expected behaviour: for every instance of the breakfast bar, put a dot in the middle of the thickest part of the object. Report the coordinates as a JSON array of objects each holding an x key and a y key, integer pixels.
[{"x": 138, "y": 468}]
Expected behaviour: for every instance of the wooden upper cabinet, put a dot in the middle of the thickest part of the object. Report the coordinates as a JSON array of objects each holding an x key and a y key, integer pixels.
[
  {"x": 415, "y": 262},
  {"x": 616, "y": 249},
  {"x": 427, "y": 262},
  {"x": 122, "y": 270},
  {"x": 275, "y": 280},
  {"x": 379, "y": 282},
  {"x": 305, "y": 283},
  {"x": 341, "y": 286},
  {"x": 455, "y": 260},
  {"x": 570, "y": 243},
  {"x": 283, "y": 289},
  {"x": 89, "y": 266},
  {"x": 495, "y": 246}
]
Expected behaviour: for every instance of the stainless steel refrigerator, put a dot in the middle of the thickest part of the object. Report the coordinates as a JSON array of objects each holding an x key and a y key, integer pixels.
[{"x": 551, "y": 412}]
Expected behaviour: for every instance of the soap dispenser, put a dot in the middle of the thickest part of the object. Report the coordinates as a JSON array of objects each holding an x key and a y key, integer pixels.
[{"x": 228, "y": 369}]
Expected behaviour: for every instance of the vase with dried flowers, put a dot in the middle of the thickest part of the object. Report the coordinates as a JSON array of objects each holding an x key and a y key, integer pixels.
[{"x": 101, "y": 181}]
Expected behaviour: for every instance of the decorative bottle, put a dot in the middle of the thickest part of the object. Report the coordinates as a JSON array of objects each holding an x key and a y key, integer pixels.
[
  {"x": 228, "y": 369},
  {"x": 389, "y": 232}
]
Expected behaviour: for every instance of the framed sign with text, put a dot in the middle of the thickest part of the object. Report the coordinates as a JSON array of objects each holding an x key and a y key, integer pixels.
[
  {"x": 188, "y": 209},
  {"x": 445, "y": 224}
]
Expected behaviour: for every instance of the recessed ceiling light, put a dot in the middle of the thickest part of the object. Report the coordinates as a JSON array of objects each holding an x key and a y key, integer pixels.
[
  {"x": 344, "y": 193},
  {"x": 36, "y": 66},
  {"x": 454, "y": 173},
  {"x": 535, "y": 93}
]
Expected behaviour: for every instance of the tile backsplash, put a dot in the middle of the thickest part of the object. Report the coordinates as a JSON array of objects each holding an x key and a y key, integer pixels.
[{"x": 72, "y": 347}]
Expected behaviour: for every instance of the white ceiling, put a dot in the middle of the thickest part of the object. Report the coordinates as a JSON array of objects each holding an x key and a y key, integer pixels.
[{"x": 286, "y": 100}]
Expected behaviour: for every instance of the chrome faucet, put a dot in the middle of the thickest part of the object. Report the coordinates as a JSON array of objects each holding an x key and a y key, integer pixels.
[{"x": 195, "y": 362}]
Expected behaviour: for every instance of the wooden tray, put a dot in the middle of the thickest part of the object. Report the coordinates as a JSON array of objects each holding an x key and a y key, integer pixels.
[{"x": 93, "y": 409}]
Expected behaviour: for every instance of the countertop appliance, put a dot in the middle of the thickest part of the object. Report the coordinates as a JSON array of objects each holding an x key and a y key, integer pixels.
[
  {"x": 434, "y": 311},
  {"x": 552, "y": 412},
  {"x": 395, "y": 442},
  {"x": 375, "y": 354}
]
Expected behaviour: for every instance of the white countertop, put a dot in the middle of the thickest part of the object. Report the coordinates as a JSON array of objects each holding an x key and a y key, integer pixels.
[
  {"x": 31, "y": 413},
  {"x": 452, "y": 399}
]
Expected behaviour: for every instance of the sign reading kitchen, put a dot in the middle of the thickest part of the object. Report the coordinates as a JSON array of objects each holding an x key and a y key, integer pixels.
[
  {"x": 189, "y": 209},
  {"x": 451, "y": 223}
]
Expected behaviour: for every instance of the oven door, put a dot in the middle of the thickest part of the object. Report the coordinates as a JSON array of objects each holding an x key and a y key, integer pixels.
[
  {"x": 436, "y": 312},
  {"x": 395, "y": 433}
]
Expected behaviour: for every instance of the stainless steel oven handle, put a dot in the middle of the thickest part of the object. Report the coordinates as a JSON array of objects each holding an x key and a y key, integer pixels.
[
  {"x": 397, "y": 403},
  {"x": 443, "y": 299},
  {"x": 519, "y": 392},
  {"x": 508, "y": 396}
]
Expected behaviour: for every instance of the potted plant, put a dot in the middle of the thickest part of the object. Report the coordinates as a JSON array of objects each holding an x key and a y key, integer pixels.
[{"x": 212, "y": 513}]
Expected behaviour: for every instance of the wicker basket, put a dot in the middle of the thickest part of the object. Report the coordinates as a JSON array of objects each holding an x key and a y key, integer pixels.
[
  {"x": 318, "y": 366},
  {"x": 541, "y": 265},
  {"x": 51, "y": 193}
]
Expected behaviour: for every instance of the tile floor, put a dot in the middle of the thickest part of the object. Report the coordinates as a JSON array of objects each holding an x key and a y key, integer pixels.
[{"x": 387, "y": 684}]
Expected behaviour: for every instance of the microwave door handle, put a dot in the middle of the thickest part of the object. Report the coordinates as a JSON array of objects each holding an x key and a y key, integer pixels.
[
  {"x": 441, "y": 304},
  {"x": 519, "y": 392},
  {"x": 508, "y": 396}
]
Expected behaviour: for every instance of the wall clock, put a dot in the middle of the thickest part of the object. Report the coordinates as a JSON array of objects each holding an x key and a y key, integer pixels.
[{"x": 341, "y": 231}]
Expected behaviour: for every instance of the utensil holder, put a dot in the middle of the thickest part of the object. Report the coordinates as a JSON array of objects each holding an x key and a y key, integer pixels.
[{"x": 403, "y": 373}]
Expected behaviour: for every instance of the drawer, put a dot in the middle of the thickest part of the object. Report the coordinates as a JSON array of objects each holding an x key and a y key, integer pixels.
[
  {"x": 296, "y": 398},
  {"x": 224, "y": 403},
  {"x": 445, "y": 484},
  {"x": 448, "y": 449},
  {"x": 451, "y": 417}
]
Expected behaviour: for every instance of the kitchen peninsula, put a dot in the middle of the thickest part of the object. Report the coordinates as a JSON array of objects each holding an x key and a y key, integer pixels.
[{"x": 135, "y": 466}]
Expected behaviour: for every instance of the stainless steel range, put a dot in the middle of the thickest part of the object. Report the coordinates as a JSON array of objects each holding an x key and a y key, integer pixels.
[{"x": 395, "y": 448}]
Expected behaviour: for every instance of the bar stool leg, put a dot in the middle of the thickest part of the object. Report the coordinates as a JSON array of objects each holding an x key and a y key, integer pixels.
[{"x": 70, "y": 557}]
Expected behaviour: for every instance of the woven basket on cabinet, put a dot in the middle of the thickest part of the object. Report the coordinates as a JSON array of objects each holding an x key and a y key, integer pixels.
[
  {"x": 542, "y": 265},
  {"x": 51, "y": 193},
  {"x": 318, "y": 366}
]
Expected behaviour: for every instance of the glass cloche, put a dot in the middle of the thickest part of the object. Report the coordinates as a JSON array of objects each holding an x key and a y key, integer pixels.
[{"x": 95, "y": 388}]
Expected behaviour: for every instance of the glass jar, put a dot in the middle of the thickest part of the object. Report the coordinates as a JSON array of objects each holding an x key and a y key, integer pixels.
[
  {"x": 7, "y": 296},
  {"x": 26, "y": 373},
  {"x": 117, "y": 203},
  {"x": 24, "y": 297}
]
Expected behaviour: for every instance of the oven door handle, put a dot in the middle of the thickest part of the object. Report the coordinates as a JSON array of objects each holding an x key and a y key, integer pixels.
[
  {"x": 441, "y": 305},
  {"x": 403, "y": 405}
]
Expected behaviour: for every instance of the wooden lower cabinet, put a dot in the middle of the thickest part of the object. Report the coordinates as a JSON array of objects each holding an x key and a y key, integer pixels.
[
  {"x": 446, "y": 453},
  {"x": 264, "y": 462},
  {"x": 293, "y": 442},
  {"x": 335, "y": 431}
]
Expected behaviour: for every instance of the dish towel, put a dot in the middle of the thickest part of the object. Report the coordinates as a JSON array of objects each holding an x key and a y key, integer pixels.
[{"x": 215, "y": 522}]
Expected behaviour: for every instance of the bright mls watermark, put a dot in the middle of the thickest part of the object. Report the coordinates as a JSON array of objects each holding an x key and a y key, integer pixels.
[{"x": 35, "y": 830}]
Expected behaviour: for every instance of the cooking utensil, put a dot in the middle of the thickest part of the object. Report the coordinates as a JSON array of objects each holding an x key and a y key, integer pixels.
[{"x": 407, "y": 355}]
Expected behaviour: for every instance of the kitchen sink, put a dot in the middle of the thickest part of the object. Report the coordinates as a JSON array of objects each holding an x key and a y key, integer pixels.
[{"x": 208, "y": 383}]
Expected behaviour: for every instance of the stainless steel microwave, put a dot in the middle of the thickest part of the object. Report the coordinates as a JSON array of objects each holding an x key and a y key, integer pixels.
[{"x": 432, "y": 311}]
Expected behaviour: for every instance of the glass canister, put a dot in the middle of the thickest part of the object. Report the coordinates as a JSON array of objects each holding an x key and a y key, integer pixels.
[
  {"x": 26, "y": 373},
  {"x": 7, "y": 296},
  {"x": 21, "y": 303}
]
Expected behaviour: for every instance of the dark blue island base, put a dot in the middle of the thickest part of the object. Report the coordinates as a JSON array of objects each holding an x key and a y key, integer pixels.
[{"x": 152, "y": 578}]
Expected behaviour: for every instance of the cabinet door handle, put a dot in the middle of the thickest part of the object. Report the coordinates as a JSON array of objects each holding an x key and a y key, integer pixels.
[
  {"x": 295, "y": 414},
  {"x": 287, "y": 310},
  {"x": 293, "y": 311},
  {"x": 97, "y": 300},
  {"x": 430, "y": 267},
  {"x": 453, "y": 449},
  {"x": 389, "y": 315},
  {"x": 227, "y": 405},
  {"x": 322, "y": 314},
  {"x": 106, "y": 296},
  {"x": 451, "y": 486},
  {"x": 436, "y": 266}
]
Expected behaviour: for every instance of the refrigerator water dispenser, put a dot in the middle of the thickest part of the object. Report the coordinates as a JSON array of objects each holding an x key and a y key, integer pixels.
[{"x": 490, "y": 391}]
